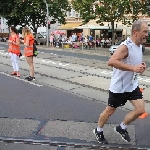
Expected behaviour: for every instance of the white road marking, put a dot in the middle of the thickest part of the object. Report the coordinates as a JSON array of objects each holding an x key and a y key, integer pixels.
[
  {"x": 22, "y": 79},
  {"x": 54, "y": 63},
  {"x": 6, "y": 54},
  {"x": 64, "y": 65},
  {"x": 105, "y": 72},
  {"x": 139, "y": 78},
  {"x": 147, "y": 80}
]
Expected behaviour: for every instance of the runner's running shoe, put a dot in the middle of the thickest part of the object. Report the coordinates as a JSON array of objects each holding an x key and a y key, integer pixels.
[
  {"x": 123, "y": 132},
  {"x": 100, "y": 137}
]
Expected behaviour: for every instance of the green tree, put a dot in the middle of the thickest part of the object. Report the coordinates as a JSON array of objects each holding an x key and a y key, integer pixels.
[
  {"x": 147, "y": 7},
  {"x": 6, "y": 12},
  {"x": 109, "y": 11},
  {"x": 33, "y": 12}
]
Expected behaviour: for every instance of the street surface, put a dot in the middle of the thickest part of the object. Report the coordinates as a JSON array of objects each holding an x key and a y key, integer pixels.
[{"x": 61, "y": 107}]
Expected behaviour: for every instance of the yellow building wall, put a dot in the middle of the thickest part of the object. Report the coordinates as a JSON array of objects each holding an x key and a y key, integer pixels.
[
  {"x": 86, "y": 32},
  {"x": 97, "y": 32}
]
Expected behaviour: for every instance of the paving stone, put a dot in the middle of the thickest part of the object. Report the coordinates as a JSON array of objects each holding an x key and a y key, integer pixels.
[
  {"x": 18, "y": 127},
  {"x": 82, "y": 132}
]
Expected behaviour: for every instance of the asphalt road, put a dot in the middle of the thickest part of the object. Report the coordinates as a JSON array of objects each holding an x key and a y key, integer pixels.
[
  {"x": 21, "y": 100},
  {"x": 79, "y": 55},
  {"x": 69, "y": 53}
]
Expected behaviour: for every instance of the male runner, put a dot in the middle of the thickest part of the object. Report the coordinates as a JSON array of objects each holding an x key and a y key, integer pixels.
[{"x": 127, "y": 63}]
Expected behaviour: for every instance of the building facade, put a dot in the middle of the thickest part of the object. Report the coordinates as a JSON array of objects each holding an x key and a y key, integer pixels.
[
  {"x": 3, "y": 25},
  {"x": 74, "y": 25}
]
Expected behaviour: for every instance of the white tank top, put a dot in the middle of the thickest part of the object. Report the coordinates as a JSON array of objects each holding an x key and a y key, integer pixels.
[{"x": 126, "y": 81}]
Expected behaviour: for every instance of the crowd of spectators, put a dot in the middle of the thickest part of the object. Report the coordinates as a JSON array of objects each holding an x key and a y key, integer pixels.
[{"x": 75, "y": 41}]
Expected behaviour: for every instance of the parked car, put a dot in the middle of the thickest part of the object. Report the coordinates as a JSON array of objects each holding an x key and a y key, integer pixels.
[
  {"x": 114, "y": 47},
  {"x": 43, "y": 34},
  {"x": 4, "y": 39},
  {"x": 39, "y": 39}
]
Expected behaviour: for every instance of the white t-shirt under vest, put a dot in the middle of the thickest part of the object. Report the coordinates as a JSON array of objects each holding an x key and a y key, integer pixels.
[{"x": 126, "y": 81}]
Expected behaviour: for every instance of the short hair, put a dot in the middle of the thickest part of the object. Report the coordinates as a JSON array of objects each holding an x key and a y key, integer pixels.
[{"x": 137, "y": 25}]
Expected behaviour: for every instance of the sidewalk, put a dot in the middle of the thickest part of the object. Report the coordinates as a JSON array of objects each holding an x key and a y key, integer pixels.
[
  {"x": 63, "y": 134},
  {"x": 97, "y": 51}
]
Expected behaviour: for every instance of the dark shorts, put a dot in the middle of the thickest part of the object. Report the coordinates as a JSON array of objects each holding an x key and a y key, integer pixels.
[{"x": 119, "y": 99}]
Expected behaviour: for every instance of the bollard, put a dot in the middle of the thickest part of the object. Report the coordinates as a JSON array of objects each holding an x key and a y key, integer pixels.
[{"x": 62, "y": 45}]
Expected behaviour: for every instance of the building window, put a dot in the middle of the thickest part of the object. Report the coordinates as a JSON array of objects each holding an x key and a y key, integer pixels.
[
  {"x": 73, "y": 13},
  {"x": 77, "y": 15},
  {"x": 69, "y": 14}
]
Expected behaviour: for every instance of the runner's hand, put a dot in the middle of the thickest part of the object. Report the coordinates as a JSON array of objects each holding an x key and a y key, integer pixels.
[
  {"x": 144, "y": 64},
  {"x": 139, "y": 68}
]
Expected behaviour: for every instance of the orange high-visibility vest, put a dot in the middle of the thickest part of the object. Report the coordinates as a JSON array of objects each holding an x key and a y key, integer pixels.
[
  {"x": 28, "y": 50},
  {"x": 14, "y": 48}
]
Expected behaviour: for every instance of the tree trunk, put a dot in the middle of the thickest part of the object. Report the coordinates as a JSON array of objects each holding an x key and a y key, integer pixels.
[
  {"x": 113, "y": 34},
  {"x": 35, "y": 29}
]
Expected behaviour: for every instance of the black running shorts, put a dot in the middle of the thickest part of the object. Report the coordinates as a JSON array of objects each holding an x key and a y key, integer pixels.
[{"x": 119, "y": 99}]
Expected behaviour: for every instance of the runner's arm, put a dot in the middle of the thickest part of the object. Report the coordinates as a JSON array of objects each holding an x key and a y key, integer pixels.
[
  {"x": 17, "y": 42},
  {"x": 115, "y": 60},
  {"x": 27, "y": 42}
]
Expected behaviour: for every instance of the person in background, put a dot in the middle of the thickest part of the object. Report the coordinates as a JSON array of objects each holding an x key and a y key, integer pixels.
[
  {"x": 28, "y": 51},
  {"x": 73, "y": 37},
  {"x": 51, "y": 40},
  {"x": 14, "y": 50},
  {"x": 54, "y": 40},
  {"x": 86, "y": 42},
  {"x": 102, "y": 42},
  {"x": 110, "y": 41},
  {"x": 107, "y": 43},
  {"x": 90, "y": 38}
]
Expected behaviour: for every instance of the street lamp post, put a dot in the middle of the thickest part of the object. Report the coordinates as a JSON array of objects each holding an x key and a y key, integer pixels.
[{"x": 47, "y": 21}]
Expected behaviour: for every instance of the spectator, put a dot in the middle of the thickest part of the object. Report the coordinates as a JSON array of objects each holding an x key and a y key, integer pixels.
[
  {"x": 51, "y": 40},
  {"x": 14, "y": 50},
  {"x": 102, "y": 42},
  {"x": 28, "y": 51},
  {"x": 90, "y": 38},
  {"x": 73, "y": 37},
  {"x": 107, "y": 43}
]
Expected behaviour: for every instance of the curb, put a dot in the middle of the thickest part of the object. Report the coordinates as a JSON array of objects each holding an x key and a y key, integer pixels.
[{"x": 72, "y": 144}]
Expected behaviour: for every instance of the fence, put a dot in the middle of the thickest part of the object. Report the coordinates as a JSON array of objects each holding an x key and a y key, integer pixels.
[{"x": 82, "y": 45}]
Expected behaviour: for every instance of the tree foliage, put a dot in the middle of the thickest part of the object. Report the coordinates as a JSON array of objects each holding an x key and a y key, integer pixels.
[
  {"x": 146, "y": 7},
  {"x": 112, "y": 11},
  {"x": 33, "y": 12}
]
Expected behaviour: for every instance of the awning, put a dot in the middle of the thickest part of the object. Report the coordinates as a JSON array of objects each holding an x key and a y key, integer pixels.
[
  {"x": 83, "y": 27},
  {"x": 100, "y": 28},
  {"x": 93, "y": 27},
  {"x": 69, "y": 26}
]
